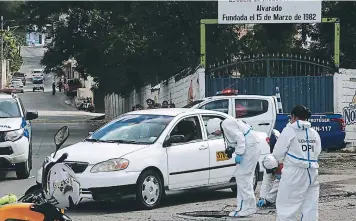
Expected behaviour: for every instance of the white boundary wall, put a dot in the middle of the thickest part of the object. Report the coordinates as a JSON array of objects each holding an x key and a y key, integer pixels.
[
  {"x": 171, "y": 91},
  {"x": 345, "y": 101}
]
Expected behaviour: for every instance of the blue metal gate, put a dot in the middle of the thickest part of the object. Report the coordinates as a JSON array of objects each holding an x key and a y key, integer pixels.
[
  {"x": 300, "y": 80},
  {"x": 315, "y": 92}
]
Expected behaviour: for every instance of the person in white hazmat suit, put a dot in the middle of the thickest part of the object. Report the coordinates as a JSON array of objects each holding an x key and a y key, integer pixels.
[
  {"x": 298, "y": 147},
  {"x": 270, "y": 181},
  {"x": 240, "y": 136}
]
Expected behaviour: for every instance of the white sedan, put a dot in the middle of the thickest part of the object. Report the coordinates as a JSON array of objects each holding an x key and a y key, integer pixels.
[{"x": 149, "y": 152}]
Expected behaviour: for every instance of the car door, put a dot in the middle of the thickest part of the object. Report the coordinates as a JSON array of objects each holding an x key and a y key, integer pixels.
[
  {"x": 257, "y": 112},
  {"x": 26, "y": 123},
  {"x": 221, "y": 168},
  {"x": 188, "y": 161},
  {"x": 221, "y": 105}
]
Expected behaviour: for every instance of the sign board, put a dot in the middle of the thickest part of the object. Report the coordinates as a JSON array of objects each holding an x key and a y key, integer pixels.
[{"x": 269, "y": 11}]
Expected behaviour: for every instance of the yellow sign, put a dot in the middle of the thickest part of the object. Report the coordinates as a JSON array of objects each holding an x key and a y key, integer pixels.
[{"x": 221, "y": 156}]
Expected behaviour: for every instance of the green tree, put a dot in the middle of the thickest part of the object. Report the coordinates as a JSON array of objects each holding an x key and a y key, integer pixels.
[{"x": 127, "y": 44}]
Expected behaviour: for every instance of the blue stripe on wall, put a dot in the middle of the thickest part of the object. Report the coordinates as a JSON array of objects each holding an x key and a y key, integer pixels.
[{"x": 315, "y": 92}]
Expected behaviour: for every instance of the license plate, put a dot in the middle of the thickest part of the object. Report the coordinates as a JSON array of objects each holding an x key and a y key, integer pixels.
[{"x": 221, "y": 156}]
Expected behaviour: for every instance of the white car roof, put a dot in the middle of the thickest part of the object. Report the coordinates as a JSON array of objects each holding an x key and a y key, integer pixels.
[
  {"x": 174, "y": 111},
  {"x": 6, "y": 96}
]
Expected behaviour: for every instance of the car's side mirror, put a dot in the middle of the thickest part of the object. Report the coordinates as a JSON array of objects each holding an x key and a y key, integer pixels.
[
  {"x": 90, "y": 133},
  {"x": 173, "y": 139},
  {"x": 31, "y": 115}
]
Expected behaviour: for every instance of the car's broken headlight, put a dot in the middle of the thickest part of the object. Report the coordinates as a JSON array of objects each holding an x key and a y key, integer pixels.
[{"x": 14, "y": 135}]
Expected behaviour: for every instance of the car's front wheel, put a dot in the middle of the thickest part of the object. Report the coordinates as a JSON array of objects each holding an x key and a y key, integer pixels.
[
  {"x": 149, "y": 190},
  {"x": 23, "y": 169}
]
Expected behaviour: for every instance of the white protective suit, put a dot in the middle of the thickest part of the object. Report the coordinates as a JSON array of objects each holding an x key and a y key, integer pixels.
[
  {"x": 269, "y": 187},
  {"x": 298, "y": 147},
  {"x": 240, "y": 135}
]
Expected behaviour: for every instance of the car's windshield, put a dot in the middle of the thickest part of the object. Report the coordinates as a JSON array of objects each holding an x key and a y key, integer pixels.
[
  {"x": 37, "y": 80},
  {"x": 193, "y": 103},
  {"x": 73, "y": 81},
  {"x": 17, "y": 74},
  {"x": 133, "y": 128},
  {"x": 9, "y": 108},
  {"x": 37, "y": 72},
  {"x": 16, "y": 83}
]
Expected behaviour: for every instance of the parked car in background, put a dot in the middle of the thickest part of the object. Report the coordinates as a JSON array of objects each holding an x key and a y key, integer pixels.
[
  {"x": 37, "y": 73},
  {"x": 37, "y": 84},
  {"x": 18, "y": 86},
  {"x": 261, "y": 113},
  {"x": 19, "y": 75},
  {"x": 71, "y": 86}
]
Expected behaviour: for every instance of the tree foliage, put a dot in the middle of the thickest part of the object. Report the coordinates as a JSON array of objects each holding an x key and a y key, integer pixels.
[
  {"x": 11, "y": 11},
  {"x": 127, "y": 44}
]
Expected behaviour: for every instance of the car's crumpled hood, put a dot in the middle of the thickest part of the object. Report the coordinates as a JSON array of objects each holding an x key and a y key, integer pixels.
[
  {"x": 7, "y": 124},
  {"x": 97, "y": 152}
]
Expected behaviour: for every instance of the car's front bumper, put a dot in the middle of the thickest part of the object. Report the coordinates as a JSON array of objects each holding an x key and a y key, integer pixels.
[
  {"x": 105, "y": 185},
  {"x": 13, "y": 152}
]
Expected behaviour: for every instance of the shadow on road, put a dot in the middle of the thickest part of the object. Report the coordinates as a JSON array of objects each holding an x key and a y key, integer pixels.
[{"x": 171, "y": 200}]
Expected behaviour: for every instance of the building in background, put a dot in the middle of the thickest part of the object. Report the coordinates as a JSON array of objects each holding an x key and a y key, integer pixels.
[{"x": 39, "y": 38}]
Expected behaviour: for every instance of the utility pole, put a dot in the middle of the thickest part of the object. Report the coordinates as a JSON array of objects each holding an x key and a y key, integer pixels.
[
  {"x": 2, "y": 46},
  {"x": 2, "y": 40}
]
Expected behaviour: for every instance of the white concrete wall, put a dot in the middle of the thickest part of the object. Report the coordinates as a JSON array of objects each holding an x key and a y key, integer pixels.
[
  {"x": 35, "y": 37},
  {"x": 345, "y": 101},
  {"x": 85, "y": 91},
  {"x": 171, "y": 91}
]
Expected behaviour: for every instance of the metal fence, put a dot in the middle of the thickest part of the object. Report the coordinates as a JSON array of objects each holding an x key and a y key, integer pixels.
[
  {"x": 313, "y": 92},
  {"x": 302, "y": 80}
]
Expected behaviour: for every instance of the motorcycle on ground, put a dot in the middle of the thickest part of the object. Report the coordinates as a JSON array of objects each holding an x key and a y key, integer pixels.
[
  {"x": 86, "y": 105},
  {"x": 59, "y": 190}
]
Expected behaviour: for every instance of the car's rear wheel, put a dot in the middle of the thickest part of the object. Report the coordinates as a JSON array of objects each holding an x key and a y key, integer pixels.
[
  {"x": 149, "y": 190},
  {"x": 255, "y": 181},
  {"x": 23, "y": 169}
]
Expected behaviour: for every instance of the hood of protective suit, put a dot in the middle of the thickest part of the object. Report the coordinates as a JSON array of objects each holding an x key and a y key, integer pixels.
[
  {"x": 213, "y": 125},
  {"x": 300, "y": 125}
]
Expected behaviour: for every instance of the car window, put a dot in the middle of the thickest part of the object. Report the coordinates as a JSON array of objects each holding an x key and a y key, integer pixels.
[
  {"x": 22, "y": 107},
  {"x": 19, "y": 74},
  {"x": 193, "y": 103},
  {"x": 250, "y": 107},
  {"x": 218, "y": 105},
  {"x": 206, "y": 118},
  {"x": 133, "y": 128},
  {"x": 9, "y": 108},
  {"x": 190, "y": 128}
]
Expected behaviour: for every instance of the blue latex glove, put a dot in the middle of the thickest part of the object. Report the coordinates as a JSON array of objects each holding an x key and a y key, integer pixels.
[
  {"x": 238, "y": 159},
  {"x": 278, "y": 177},
  {"x": 261, "y": 202}
]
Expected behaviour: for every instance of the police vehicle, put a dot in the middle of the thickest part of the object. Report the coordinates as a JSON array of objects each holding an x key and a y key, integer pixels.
[{"x": 15, "y": 136}]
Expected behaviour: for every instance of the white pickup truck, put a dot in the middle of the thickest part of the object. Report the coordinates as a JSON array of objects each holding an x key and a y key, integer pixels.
[
  {"x": 258, "y": 111},
  {"x": 262, "y": 114}
]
